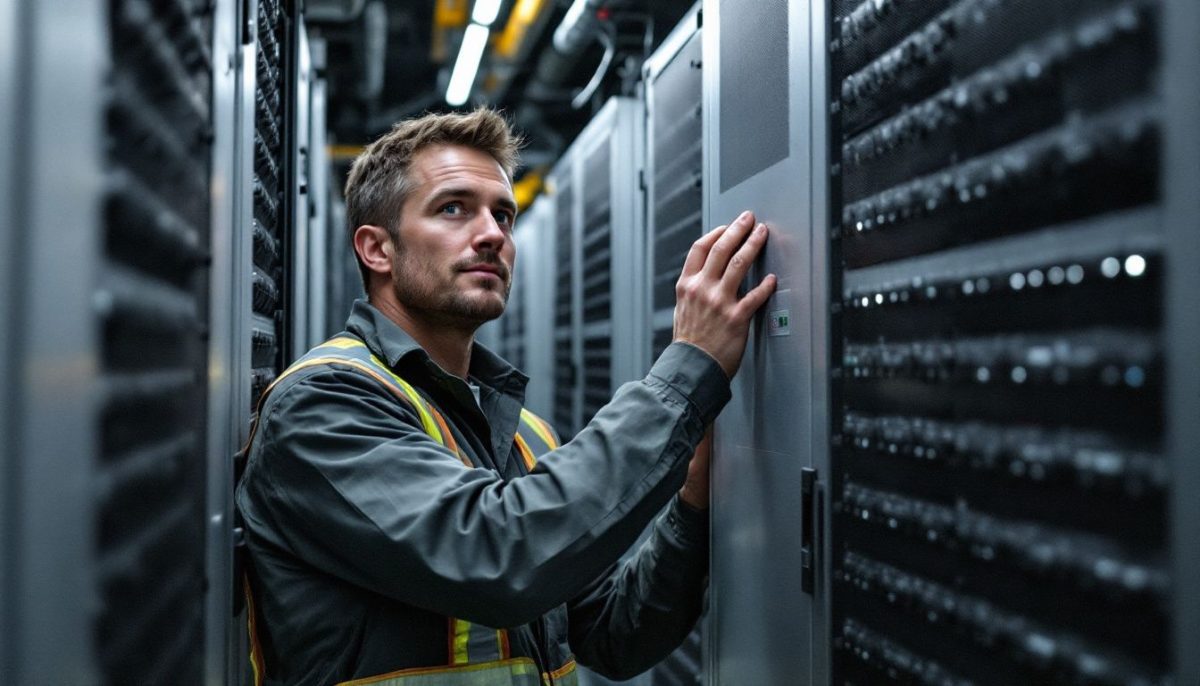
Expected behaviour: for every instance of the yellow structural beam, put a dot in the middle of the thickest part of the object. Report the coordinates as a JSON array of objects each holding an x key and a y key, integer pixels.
[
  {"x": 343, "y": 153},
  {"x": 525, "y": 190},
  {"x": 508, "y": 44},
  {"x": 448, "y": 16}
]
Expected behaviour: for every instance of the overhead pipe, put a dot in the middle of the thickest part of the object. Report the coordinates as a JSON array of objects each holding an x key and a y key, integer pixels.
[{"x": 572, "y": 36}]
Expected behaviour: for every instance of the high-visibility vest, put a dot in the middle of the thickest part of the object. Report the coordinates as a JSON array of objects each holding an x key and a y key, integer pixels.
[{"x": 478, "y": 655}]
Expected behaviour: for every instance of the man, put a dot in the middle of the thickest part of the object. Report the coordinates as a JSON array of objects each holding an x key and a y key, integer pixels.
[{"x": 399, "y": 529}]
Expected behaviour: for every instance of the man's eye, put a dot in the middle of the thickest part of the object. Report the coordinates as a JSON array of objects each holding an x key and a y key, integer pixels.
[
  {"x": 503, "y": 218},
  {"x": 452, "y": 208}
]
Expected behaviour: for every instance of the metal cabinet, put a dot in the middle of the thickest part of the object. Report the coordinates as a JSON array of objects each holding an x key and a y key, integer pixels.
[{"x": 758, "y": 133}]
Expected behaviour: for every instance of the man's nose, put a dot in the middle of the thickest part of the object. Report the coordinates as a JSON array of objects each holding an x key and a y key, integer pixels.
[{"x": 488, "y": 231}]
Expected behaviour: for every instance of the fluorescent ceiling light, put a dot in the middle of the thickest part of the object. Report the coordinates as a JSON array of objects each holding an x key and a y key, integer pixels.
[
  {"x": 467, "y": 64},
  {"x": 485, "y": 11}
]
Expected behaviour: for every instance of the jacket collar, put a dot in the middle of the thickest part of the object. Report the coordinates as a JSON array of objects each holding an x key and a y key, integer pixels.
[{"x": 386, "y": 339}]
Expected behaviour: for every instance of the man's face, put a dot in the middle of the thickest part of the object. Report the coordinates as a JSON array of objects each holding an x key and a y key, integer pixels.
[{"x": 455, "y": 255}]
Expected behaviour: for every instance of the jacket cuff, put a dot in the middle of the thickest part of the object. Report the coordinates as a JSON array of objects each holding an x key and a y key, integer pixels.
[
  {"x": 688, "y": 525},
  {"x": 695, "y": 374}
]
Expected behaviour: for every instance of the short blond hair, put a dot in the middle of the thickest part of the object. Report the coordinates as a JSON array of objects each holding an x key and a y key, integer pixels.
[{"x": 379, "y": 182}]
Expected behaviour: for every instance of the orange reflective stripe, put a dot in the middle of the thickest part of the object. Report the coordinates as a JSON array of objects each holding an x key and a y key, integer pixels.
[
  {"x": 526, "y": 453},
  {"x": 502, "y": 640},
  {"x": 564, "y": 670},
  {"x": 256, "y": 659},
  {"x": 451, "y": 443}
]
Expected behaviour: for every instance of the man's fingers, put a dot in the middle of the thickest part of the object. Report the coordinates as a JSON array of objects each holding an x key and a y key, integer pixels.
[
  {"x": 757, "y": 296},
  {"x": 699, "y": 251},
  {"x": 739, "y": 264},
  {"x": 727, "y": 244}
]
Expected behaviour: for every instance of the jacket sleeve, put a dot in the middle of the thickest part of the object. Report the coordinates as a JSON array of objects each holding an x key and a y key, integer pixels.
[
  {"x": 344, "y": 479},
  {"x": 635, "y": 616}
]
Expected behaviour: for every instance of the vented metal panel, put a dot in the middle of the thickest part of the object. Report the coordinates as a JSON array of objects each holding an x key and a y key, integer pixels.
[
  {"x": 271, "y": 177},
  {"x": 754, "y": 71},
  {"x": 596, "y": 277},
  {"x": 564, "y": 303},
  {"x": 512, "y": 323},
  {"x": 674, "y": 206},
  {"x": 537, "y": 269},
  {"x": 152, "y": 303},
  {"x": 999, "y": 485},
  {"x": 675, "y": 191}
]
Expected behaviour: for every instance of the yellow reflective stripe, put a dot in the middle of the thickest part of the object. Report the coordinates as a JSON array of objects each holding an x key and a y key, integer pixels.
[
  {"x": 256, "y": 660},
  {"x": 344, "y": 342},
  {"x": 526, "y": 453},
  {"x": 512, "y": 671},
  {"x": 409, "y": 393},
  {"x": 539, "y": 427},
  {"x": 462, "y": 637},
  {"x": 431, "y": 426}
]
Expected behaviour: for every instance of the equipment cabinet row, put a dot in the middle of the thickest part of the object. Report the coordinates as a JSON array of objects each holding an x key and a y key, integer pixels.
[
  {"x": 599, "y": 252},
  {"x": 961, "y": 445}
]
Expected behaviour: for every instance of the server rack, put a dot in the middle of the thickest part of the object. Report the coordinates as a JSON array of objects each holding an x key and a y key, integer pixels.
[
  {"x": 566, "y": 309},
  {"x": 674, "y": 170},
  {"x": 524, "y": 334},
  {"x": 511, "y": 340},
  {"x": 599, "y": 264},
  {"x": 271, "y": 34},
  {"x": 673, "y": 181},
  {"x": 106, "y": 360},
  {"x": 535, "y": 232},
  {"x": 993, "y": 395},
  {"x": 998, "y": 410},
  {"x": 270, "y": 234}
]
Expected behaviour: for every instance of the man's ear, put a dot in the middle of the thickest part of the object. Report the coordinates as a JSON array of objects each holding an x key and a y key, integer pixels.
[{"x": 374, "y": 247}]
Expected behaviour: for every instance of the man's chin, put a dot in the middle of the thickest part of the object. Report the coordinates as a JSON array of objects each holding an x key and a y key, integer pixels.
[{"x": 481, "y": 307}]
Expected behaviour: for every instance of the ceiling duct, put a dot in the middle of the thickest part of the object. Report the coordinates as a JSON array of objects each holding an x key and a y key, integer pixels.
[
  {"x": 375, "y": 38},
  {"x": 333, "y": 11}
]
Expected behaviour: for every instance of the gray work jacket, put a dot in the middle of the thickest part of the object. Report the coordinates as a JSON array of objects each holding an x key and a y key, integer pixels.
[{"x": 365, "y": 534}]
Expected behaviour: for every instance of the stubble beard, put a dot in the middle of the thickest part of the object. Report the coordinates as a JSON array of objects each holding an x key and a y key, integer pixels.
[{"x": 448, "y": 307}]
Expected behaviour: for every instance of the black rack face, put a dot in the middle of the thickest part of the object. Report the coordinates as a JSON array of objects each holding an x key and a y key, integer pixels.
[
  {"x": 564, "y": 359},
  {"x": 148, "y": 487},
  {"x": 999, "y": 483},
  {"x": 512, "y": 323},
  {"x": 272, "y": 176},
  {"x": 596, "y": 253}
]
